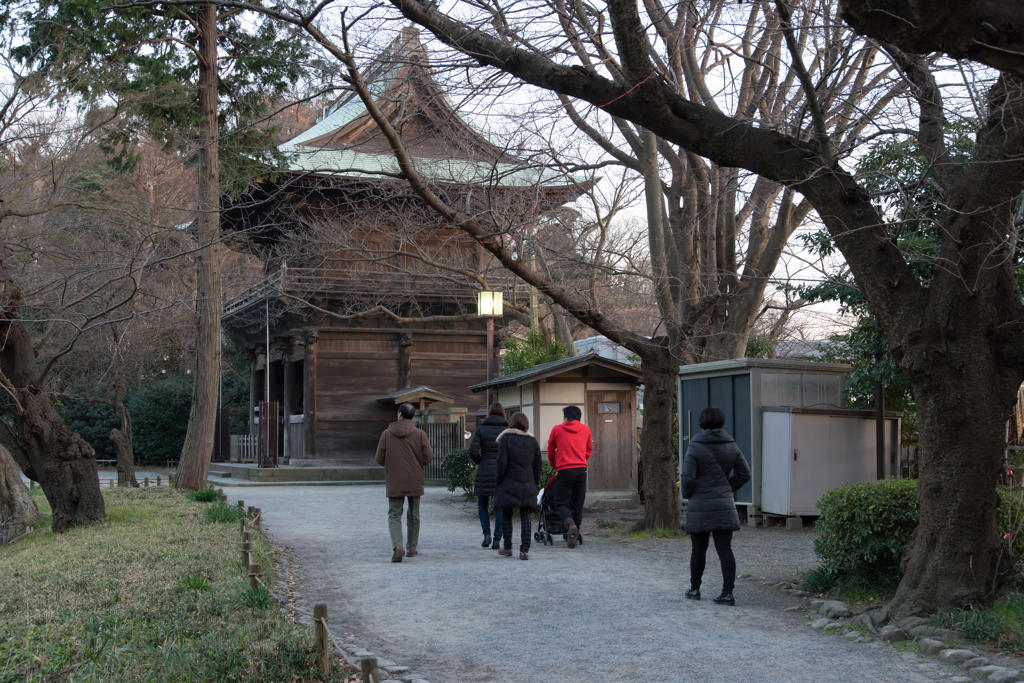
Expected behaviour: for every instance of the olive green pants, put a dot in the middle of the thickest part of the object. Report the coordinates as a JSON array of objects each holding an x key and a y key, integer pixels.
[{"x": 412, "y": 521}]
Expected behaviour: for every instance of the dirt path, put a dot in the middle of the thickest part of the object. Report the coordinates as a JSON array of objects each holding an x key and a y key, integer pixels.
[{"x": 612, "y": 609}]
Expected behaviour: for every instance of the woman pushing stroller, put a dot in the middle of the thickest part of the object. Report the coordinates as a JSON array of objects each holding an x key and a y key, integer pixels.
[{"x": 519, "y": 469}]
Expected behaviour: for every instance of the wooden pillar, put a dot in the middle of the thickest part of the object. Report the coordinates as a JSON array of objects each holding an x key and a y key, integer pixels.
[
  {"x": 404, "y": 360},
  {"x": 289, "y": 398},
  {"x": 309, "y": 397},
  {"x": 274, "y": 393},
  {"x": 254, "y": 384}
]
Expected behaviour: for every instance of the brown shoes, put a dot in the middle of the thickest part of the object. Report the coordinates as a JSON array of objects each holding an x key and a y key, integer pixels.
[
  {"x": 507, "y": 552},
  {"x": 524, "y": 556},
  {"x": 412, "y": 553},
  {"x": 398, "y": 554}
]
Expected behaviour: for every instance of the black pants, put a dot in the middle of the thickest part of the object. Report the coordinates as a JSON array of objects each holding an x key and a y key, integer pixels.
[
  {"x": 723, "y": 546},
  {"x": 570, "y": 493},
  {"x": 525, "y": 527}
]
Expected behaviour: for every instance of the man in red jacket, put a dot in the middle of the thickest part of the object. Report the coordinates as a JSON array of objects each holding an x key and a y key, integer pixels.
[{"x": 569, "y": 447}]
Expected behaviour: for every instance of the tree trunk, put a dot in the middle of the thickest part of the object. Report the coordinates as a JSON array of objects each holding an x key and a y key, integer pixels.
[
  {"x": 956, "y": 557},
  {"x": 18, "y": 512},
  {"x": 198, "y": 449},
  {"x": 661, "y": 509},
  {"x": 122, "y": 440},
  {"x": 44, "y": 448}
]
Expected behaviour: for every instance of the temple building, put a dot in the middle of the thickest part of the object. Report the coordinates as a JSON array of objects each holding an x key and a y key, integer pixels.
[{"x": 369, "y": 297}]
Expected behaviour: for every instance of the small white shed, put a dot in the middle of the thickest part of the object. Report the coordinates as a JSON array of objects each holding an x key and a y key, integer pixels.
[
  {"x": 806, "y": 452},
  {"x": 603, "y": 389}
]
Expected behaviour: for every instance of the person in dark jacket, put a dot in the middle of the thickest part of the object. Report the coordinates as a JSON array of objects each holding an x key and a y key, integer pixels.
[
  {"x": 483, "y": 450},
  {"x": 712, "y": 471},
  {"x": 519, "y": 468}
]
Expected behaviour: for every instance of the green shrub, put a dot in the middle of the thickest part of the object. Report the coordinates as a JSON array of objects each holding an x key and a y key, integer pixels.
[
  {"x": 93, "y": 422},
  {"x": 258, "y": 599},
  {"x": 207, "y": 495},
  {"x": 222, "y": 512},
  {"x": 1001, "y": 626},
  {"x": 160, "y": 413},
  {"x": 546, "y": 470},
  {"x": 820, "y": 579},
  {"x": 865, "y": 528},
  {"x": 196, "y": 581},
  {"x": 459, "y": 470}
]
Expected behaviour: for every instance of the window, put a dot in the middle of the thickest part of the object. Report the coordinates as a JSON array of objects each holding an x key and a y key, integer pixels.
[{"x": 609, "y": 407}]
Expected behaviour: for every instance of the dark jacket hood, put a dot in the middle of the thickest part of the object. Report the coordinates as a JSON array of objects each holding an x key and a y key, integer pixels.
[
  {"x": 710, "y": 436},
  {"x": 402, "y": 428},
  {"x": 496, "y": 420}
]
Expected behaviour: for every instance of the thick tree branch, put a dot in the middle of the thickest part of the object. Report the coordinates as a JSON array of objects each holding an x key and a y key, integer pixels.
[{"x": 986, "y": 31}]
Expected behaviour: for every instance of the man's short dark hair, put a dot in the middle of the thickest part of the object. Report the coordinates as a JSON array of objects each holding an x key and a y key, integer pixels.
[
  {"x": 712, "y": 418},
  {"x": 572, "y": 413},
  {"x": 407, "y": 410}
]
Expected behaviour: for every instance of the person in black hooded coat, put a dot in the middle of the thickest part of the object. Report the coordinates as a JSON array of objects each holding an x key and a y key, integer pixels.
[
  {"x": 711, "y": 505},
  {"x": 483, "y": 450},
  {"x": 519, "y": 470}
]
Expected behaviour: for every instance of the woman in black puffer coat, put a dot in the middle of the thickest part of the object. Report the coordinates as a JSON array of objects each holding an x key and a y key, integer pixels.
[
  {"x": 711, "y": 508},
  {"x": 519, "y": 468},
  {"x": 483, "y": 450}
]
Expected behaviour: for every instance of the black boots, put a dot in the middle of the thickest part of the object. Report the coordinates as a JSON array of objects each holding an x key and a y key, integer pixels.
[
  {"x": 725, "y": 599},
  {"x": 497, "y": 543},
  {"x": 693, "y": 594},
  {"x": 487, "y": 541}
]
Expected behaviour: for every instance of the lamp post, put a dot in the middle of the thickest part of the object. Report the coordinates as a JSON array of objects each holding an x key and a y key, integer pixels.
[{"x": 489, "y": 305}]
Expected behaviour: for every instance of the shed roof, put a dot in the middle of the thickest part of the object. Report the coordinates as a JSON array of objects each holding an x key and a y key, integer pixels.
[
  {"x": 557, "y": 367},
  {"x": 413, "y": 394},
  {"x": 730, "y": 367}
]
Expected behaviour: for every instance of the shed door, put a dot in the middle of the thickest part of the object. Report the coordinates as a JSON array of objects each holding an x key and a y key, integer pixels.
[
  {"x": 732, "y": 395},
  {"x": 610, "y": 418}
]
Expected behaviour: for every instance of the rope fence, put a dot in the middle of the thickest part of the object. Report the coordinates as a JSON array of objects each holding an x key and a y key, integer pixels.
[{"x": 324, "y": 639}]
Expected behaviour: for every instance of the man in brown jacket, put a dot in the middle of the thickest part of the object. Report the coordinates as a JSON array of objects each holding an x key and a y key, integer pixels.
[{"x": 404, "y": 452}]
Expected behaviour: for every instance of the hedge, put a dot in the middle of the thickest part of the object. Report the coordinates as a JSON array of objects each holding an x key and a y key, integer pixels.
[{"x": 865, "y": 528}]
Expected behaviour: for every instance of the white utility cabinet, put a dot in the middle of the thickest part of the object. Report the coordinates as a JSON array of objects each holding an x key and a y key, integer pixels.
[{"x": 806, "y": 452}]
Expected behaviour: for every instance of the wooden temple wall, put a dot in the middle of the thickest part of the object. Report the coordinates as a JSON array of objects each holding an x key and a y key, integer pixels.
[{"x": 347, "y": 370}]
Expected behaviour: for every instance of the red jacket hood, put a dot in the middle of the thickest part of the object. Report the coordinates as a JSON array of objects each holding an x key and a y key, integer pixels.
[{"x": 573, "y": 426}]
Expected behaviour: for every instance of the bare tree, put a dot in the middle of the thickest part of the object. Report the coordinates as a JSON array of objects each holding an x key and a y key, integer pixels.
[{"x": 956, "y": 335}]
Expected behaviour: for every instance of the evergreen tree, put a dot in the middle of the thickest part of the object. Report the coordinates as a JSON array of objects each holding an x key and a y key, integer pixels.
[{"x": 196, "y": 81}]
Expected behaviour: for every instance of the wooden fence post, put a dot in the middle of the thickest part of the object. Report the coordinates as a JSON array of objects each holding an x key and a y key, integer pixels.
[
  {"x": 158, "y": 480},
  {"x": 254, "y": 573},
  {"x": 370, "y": 672},
  {"x": 246, "y": 537},
  {"x": 323, "y": 658},
  {"x": 258, "y": 518},
  {"x": 245, "y": 525},
  {"x": 241, "y": 506},
  {"x": 31, "y": 484},
  {"x": 246, "y": 549},
  {"x": 146, "y": 482}
]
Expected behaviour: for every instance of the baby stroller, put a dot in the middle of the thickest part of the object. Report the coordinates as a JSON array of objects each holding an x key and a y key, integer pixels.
[{"x": 550, "y": 524}]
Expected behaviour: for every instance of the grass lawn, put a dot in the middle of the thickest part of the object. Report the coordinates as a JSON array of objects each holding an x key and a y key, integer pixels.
[{"x": 155, "y": 593}]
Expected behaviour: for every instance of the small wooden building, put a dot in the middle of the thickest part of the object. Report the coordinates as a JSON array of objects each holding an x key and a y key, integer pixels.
[
  {"x": 603, "y": 389},
  {"x": 367, "y": 291}
]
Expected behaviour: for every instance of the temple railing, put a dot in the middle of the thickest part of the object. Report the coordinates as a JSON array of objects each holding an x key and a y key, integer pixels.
[{"x": 304, "y": 283}]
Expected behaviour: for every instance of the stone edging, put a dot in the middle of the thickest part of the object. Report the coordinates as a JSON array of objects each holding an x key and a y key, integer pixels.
[
  {"x": 836, "y": 616},
  {"x": 395, "y": 672}
]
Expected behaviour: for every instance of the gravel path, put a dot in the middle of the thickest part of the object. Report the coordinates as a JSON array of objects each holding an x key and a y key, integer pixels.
[{"x": 612, "y": 609}]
